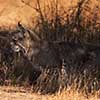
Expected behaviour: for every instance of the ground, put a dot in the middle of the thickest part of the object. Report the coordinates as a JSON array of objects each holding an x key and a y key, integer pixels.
[
  {"x": 16, "y": 93},
  {"x": 20, "y": 93}
]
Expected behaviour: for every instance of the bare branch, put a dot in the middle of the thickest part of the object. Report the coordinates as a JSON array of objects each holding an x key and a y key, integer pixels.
[{"x": 28, "y": 4}]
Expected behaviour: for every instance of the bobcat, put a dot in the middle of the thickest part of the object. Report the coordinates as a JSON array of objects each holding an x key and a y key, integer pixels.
[{"x": 43, "y": 53}]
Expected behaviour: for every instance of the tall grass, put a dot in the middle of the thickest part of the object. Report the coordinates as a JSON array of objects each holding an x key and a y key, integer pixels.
[
  {"x": 61, "y": 25},
  {"x": 71, "y": 24}
]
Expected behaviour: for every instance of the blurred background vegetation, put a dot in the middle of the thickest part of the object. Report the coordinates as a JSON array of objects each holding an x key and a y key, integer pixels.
[{"x": 54, "y": 22}]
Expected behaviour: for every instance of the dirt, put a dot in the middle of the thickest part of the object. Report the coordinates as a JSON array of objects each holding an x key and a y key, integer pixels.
[{"x": 16, "y": 93}]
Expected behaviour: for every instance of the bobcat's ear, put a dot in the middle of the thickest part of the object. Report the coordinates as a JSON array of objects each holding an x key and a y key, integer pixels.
[{"x": 32, "y": 34}]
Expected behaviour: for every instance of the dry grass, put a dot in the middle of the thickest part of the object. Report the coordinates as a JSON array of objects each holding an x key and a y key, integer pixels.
[
  {"x": 73, "y": 95},
  {"x": 16, "y": 93},
  {"x": 80, "y": 78}
]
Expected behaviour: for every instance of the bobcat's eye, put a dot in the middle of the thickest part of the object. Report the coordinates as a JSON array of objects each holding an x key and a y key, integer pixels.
[{"x": 16, "y": 48}]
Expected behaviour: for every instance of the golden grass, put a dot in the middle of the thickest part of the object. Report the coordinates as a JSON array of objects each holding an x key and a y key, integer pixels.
[
  {"x": 74, "y": 95},
  {"x": 16, "y": 93}
]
